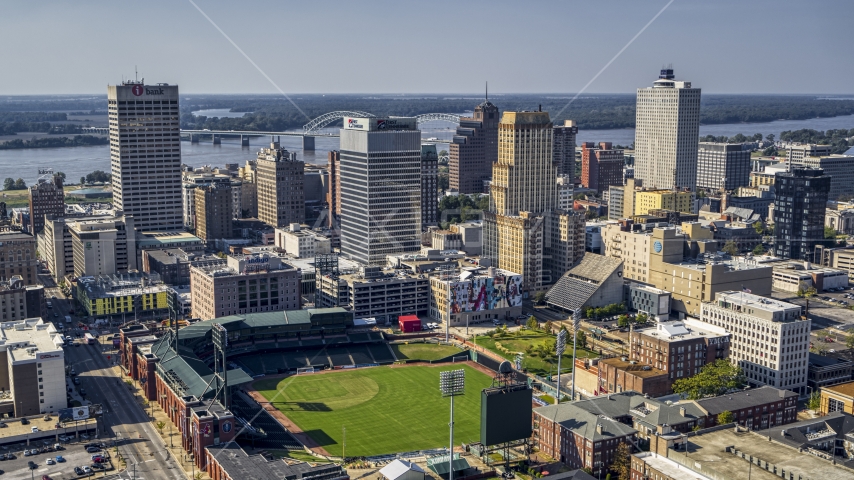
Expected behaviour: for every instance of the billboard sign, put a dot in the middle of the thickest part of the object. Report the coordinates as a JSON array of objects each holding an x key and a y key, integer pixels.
[
  {"x": 72, "y": 414},
  {"x": 380, "y": 123},
  {"x": 485, "y": 293}
]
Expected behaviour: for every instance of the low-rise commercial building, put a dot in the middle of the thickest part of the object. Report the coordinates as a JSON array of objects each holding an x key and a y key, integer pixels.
[
  {"x": 837, "y": 398},
  {"x": 32, "y": 368},
  {"x": 828, "y": 370},
  {"x": 374, "y": 292},
  {"x": 19, "y": 301},
  {"x": 173, "y": 264},
  {"x": 676, "y": 200},
  {"x": 18, "y": 256},
  {"x": 578, "y": 438},
  {"x": 476, "y": 295},
  {"x": 103, "y": 246},
  {"x": 770, "y": 339},
  {"x": 302, "y": 243},
  {"x": 246, "y": 284},
  {"x": 793, "y": 276},
  {"x": 138, "y": 295},
  {"x": 164, "y": 240},
  {"x": 680, "y": 348},
  {"x": 649, "y": 300}
]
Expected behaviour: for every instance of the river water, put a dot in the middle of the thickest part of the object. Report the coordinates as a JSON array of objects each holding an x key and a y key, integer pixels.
[{"x": 78, "y": 161}]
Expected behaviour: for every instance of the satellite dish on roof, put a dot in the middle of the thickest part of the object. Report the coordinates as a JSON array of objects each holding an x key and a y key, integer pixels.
[{"x": 505, "y": 368}]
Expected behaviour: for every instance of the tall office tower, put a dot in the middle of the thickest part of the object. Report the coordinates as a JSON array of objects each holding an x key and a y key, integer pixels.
[
  {"x": 564, "y": 149},
  {"x": 214, "y": 211},
  {"x": 380, "y": 188},
  {"x": 333, "y": 195},
  {"x": 722, "y": 166},
  {"x": 281, "y": 191},
  {"x": 429, "y": 186},
  {"x": 474, "y": 149},
  {"x": 799, "y": 209},
  {"x": 523, "y": 198},
  {"x": 667, "y": 130},
  {"x": 46, "y": 198},
  {"x": 601, "y": 166},
  {"x": 145, "y": 153}
]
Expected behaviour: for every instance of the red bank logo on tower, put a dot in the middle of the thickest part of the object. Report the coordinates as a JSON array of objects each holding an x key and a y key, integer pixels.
[
  {"x": 137, "y": 90},
  {"x": 380, "y": 124}
]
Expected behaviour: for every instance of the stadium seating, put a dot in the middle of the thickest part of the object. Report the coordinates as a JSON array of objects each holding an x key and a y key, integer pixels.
[
  {"x": 253, "y": 363},
  {"x": 381, "y": 353},
  {"x": 295, "y": 360},
  {"x": 360, "y": 354},
  {"x": 339, "y": 356},
  {"x": 360, "y": 337},
  {"x": 276, "y": 435}
]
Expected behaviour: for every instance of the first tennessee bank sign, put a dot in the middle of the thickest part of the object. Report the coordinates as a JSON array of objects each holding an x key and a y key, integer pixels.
[{"x": 139, "y": 90}]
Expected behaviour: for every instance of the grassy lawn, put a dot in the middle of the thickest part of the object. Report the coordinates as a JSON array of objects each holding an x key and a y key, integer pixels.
[
  {"x": 423, "y": 351},
  {"x": 384, "y": 409},
  {"x": 534, "y": 364}
]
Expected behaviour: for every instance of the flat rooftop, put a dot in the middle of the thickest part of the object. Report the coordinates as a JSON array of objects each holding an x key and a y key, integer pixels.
[
  {"x": 756, "y": 302},
  {"x": 683, "y": 330},
  {"x": 149, "y": 239},
  {"x": 709, "y": 450},
  {"x": 670, "y": 468},
  {"x": 637, "y": 369},
  {"x": 34, "y": 332},
  {"x": 846, "y": 389}
]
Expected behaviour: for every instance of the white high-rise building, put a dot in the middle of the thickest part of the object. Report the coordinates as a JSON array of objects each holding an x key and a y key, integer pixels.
[
  {"x": 667, "y": 130},
  {"x": 380, "y": 188},
  {"x": 145, "y": 154},
  {"x": 770, "y": 340}
]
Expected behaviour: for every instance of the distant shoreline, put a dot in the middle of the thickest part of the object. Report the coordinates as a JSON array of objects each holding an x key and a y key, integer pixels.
[{"x": 54, "y": 142}]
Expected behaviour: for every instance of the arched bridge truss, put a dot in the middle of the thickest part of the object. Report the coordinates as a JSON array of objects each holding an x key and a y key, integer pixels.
[{"x": 315, "y": 125}]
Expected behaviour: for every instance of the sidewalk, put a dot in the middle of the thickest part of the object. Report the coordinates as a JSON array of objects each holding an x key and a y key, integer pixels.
[{"x": 177, "y": 452}]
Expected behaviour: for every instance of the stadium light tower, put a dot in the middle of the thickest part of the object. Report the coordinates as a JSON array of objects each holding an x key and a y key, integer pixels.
[
  {"x": 576, "y": 325},
  {"x": 452, "y": 383},
  {"x": 560, "y": 347}
]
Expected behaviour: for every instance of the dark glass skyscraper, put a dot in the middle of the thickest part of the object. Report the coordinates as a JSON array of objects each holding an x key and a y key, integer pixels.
[
  {"x": 799, "y": 211},
  {"x": 474, "y": 149}
]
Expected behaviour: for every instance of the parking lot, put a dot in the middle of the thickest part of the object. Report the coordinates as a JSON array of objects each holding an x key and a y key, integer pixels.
[{"x": 75, "y": 455}]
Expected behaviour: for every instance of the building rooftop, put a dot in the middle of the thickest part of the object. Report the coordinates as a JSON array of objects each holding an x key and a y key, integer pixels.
[
  {"x": 236, "y": 463},
  {"x": 31, "y": 336},
  {"x": 708, "y": 453},
  {"x": 744, "y": 399},
  {"x": 682, "y": 330},
  {"x": 846, "y": 389},
  {"x": 755, "y": 302},
  {"x": 671, "y": 469},
  {"x": 584, "y": 423},
  {"x": 637, "y": 369},
  {"x": 155, "y": 239},
  {"x": 104, "y": 286}
]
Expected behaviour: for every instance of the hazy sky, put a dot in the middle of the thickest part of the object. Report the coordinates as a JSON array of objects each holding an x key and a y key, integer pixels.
[{"x": 725, "y": 46}]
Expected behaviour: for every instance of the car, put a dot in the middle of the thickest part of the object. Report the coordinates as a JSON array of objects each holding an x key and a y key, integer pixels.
[
  {"x": 24, "y": 421},
  {"x": 10, "y": 456},
  {"x": 831, "y": 351},
  {"x": 78, "y": 471},
  {"x": 32, "y": 465},
  {"x": 27, "y": 453},
  {"x": 98, "y": 466},
  {"x": 92, "y": 449},
  {"x": 83, "y": 392},
  {"x": 60, "y": 459},
  {"x": 87, "y": 470},
  {"x": 34, "y": 451},
  {"x": 73, "y": 372},
  {"x": 55, "y": 314},
  {"x": 50, "y": 461},
  {"x": 45, "y": 477},
  {"x": 99, "y": 458}
]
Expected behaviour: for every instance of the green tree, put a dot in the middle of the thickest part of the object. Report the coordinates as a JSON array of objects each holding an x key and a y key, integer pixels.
[
  {"x": 61, "y": 175},
  {"x": 641, "y": 318},
  {"x": 759, "y": 227},
  {"x": 814, "y": 402},
  {"x": 806, "y": 292},
  {"x": 725, "y": 417},
  {"x": 160, "y": 426},
  {"x": 713, "y": 379},
  {"x": 549, "y": 326},
  {"x": 540, "y": 298},
  {"x": 759, "y": 249},
  {"x": 623, "y": 321},
  {"x": 20, "y": 184},
  {"x": 622, "y": 461},
  {"x": 769, "y": 137},
  {"x": 731, "y": 248},
  {"x": 9, "y": 184},
  {"x": 532, "y": 323},
  {"x": 581, "y": 339},
  {"x": 849, "y": 340},
  {"x": 82, "y": 180}
]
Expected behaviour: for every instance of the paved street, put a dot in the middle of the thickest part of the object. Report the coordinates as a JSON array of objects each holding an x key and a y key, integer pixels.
[{"x": 125, "y": 422}]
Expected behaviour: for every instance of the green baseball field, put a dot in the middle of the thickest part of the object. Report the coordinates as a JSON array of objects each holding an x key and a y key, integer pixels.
[{"x": 384, "y": 409}]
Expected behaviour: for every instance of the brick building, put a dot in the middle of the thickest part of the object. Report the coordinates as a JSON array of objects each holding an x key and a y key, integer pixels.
[
  {"x": 601, "y": 166},
  {"x": 679, "y": 348},
  {"x": 45, "y": 198}
]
